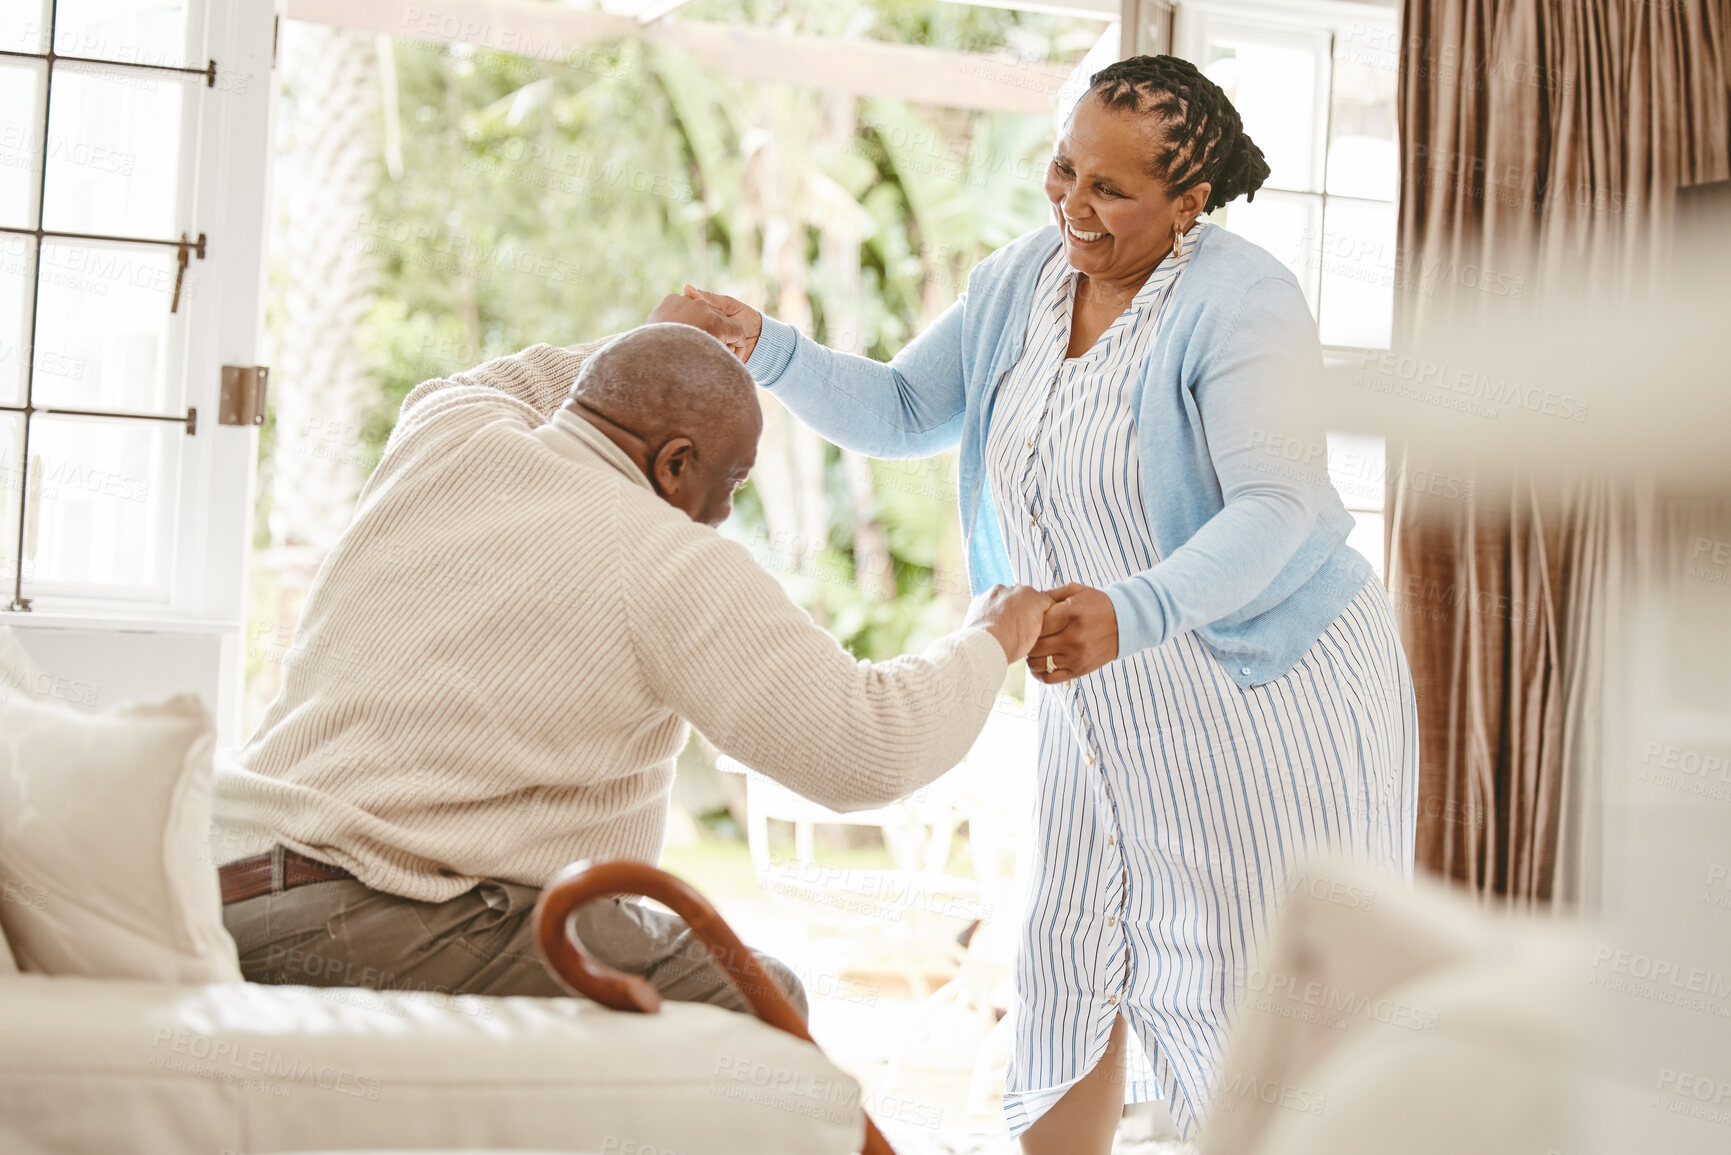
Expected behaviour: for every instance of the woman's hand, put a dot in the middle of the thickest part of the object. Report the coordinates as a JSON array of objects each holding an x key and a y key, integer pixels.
[
  {"x": 678, "y": 309},
  {"x": 744, "y": 323},
  {"x": 1079, "y": 634}
]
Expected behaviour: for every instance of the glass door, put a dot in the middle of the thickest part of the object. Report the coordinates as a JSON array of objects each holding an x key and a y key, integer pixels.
[{"x": 134, "y": 163}]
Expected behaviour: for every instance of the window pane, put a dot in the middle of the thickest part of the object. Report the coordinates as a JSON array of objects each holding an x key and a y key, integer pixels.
[
  {"x": 1358, "y": 271},
  {"x": 23, "y": 25},
  {"x": 20, "y": 122},
  {"x": 15, "y": 254},
  {"x": 113, "y": 154},
  {"x": 101, "y": 523},
  {"x": 139, "y": 31},
  {"x": 1289, "y": 225},
  {"x": 1278, "y": 81},
  {"x": 105, "y": 338},
  {"x": 1362, "y": 158},
  {"x": 1366, "y": 538}
]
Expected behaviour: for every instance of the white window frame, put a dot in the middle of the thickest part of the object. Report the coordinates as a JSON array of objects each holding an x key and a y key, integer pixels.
[
  {"x": 1307, "y": 20},
  {"x": 198, "y": 616}
]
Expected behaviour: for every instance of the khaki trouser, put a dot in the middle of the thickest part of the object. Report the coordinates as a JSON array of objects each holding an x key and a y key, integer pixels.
[{"x": 344, "y": 934}]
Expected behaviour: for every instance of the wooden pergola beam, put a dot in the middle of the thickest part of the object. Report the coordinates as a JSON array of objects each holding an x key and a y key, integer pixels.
[
  {"x": 867, "y": 68},
  {"x": 1084, "y": 9}
]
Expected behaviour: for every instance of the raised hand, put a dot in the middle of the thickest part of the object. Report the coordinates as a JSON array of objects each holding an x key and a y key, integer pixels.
[
  {"x": 1079, "y": 634},
  {"x": 685, "y": 310},
  {"x": 1011, "y": 614},
  {"x": 749, "y": 320}
]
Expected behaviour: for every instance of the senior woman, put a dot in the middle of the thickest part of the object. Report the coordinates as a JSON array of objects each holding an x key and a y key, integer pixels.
[{"x": 1226, "y": 687}]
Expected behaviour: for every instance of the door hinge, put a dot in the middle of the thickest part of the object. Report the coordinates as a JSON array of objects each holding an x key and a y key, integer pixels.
[{"x": 243, "y": 388}]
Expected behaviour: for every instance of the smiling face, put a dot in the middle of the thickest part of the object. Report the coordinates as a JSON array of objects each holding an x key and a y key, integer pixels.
[{"x": 1117, "y": 219}]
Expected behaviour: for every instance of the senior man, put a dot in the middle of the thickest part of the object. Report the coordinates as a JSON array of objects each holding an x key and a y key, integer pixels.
[{"x": 496, "y": 665}]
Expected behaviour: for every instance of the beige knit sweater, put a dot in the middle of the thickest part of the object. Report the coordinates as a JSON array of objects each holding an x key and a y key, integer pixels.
[{"x": 495, "y": 666}]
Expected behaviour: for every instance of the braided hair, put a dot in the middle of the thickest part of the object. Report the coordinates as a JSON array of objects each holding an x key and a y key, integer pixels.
[{"x": 1204, "y": 137}]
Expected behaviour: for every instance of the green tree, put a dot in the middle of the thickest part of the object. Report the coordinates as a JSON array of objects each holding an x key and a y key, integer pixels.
[{"x": 547, "y": 201}]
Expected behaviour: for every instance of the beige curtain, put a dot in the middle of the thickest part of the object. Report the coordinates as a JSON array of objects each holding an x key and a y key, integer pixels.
[{"x": 1545, "y": 140}]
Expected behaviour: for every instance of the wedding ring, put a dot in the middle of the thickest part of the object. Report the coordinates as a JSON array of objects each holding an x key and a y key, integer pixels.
[{"x": 1049, "y": 666}]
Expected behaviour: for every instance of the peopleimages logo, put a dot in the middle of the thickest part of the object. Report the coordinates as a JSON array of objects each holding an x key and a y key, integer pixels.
[
  {"x": 1718, "y": 892},
  {"x": 1332, "y": 890},
  {"x": 1667, "y": 971},
  {"x": 24, "y": 894},
  {"x": 1464, "y": 388},
  {"x": 1238, "y": 1089},
  {"x": 1325, "y": 1004},
  {"x": 1697, "y": 1096},
  {"x": 224, "y": 1059},
  {"x": 1703, "y": 774},
  {"x": 72, "y": 690},
  {"x": 1661, "y": 980}
]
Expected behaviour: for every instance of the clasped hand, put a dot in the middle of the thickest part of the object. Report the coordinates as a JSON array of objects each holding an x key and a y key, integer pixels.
[
  {"x": 1079, "y": 633},
  {"x": 1074, "y": 625}
]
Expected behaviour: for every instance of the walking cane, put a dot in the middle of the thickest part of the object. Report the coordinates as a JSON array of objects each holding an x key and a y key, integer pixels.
[{"x": 582, "y": 882}]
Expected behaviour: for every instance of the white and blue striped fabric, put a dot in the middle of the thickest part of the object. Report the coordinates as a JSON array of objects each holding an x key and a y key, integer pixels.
[{"x": 1172, "y": 806}]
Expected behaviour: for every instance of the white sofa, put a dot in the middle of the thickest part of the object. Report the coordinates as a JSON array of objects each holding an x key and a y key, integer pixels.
[
  {"x": 124, "y": 1026},
  {"x": 99, "y": 1065},
  {"x": 1383, "y": 1017}
]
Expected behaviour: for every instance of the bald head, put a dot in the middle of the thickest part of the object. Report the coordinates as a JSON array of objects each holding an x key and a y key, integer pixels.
[
  {"x": 657, "y": 377},
  {"x": 682, "y": 407}
]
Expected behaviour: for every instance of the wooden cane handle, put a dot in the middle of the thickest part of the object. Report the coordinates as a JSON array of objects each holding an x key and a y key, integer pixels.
[{"x": 582, "y": 883}]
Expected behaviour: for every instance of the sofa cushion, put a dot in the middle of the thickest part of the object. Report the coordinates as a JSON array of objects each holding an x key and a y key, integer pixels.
[
  {"x": 101, "y": 1066},
  {"x": 103, "y": 826},
  {"x": 19, "y": 678}
]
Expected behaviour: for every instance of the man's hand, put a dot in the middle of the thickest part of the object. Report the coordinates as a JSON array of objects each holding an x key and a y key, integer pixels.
[
  {"x": 748, "y": 320},
  {"x": 1080, "y": 634},
  {"x": 1011, "y": 614}
]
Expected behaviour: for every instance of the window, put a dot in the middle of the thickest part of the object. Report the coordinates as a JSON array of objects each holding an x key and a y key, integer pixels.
[
  {"x": 133, "y": 158},
  {"x": 1316, "y": 84},
  {"x": 95, "y": 294}
]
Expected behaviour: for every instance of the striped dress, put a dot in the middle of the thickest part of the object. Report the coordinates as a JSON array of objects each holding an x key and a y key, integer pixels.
[{"x": 1171, "y": 805}]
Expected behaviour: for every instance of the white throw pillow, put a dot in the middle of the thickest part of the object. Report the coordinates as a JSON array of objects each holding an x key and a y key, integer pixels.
[{"x": 103, "y": 824}]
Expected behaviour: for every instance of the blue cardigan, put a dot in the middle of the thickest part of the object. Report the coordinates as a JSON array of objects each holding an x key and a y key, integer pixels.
[{"x": 1250, "y": 533}]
